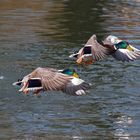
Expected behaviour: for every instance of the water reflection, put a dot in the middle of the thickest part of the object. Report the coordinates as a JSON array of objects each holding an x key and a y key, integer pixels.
[
  {"x": 43, "y": 33},
  {"x": 65, "y": 20},
  {"x": 123, "y": 123}
]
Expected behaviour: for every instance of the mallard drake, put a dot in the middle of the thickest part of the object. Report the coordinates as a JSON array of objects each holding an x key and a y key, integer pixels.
[
  {"x": 120, "y": 49},
  {"x": 49, "y": 79},
  {"x": 91, "y": 52},
  {"x": 112, "y": 45}
]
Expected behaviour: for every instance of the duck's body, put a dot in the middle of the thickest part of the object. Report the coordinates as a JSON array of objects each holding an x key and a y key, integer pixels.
[
  {"x": 120, "y": 49},
  {"x": 112, "y": 45},
  {"x": 48, "y": 79}
]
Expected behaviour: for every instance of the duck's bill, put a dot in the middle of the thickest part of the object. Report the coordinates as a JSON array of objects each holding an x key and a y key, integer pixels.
[
  {"x": 32, "y": 85},
  {"x": 130, "y": 48}
]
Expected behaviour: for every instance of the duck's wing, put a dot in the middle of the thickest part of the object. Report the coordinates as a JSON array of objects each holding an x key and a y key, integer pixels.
[
  {"x": 108, "y": 41},
  {"x": 111, "y": 40},
  {"x": 51, "y": 79},
  {"x": 98, "y": 51},
  {"x": 76, "y": 87},
  {"x": 126, "y": 55}
]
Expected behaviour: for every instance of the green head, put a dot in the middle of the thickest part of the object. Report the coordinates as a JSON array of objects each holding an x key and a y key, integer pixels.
[
  {"x": 71, "y": 72},
  {"x": 122, "y": 45}
]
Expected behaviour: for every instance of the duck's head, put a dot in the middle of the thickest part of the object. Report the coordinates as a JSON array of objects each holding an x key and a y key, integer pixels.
[
  {"x": 119, "y": 43},
  {"x": 124, "y": 45},
  {"x": 71, "y": 72}
]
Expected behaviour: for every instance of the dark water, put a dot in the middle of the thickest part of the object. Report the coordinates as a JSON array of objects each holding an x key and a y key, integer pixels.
[{"x": 43, "y": 33}]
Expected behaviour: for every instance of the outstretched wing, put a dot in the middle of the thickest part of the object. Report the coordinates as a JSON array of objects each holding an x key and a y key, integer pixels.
[
  {"x": 111, "y": 40},
  {"x": 97, "y": 50},
  {"x": 51, "y": 79},
  {"x": 76, "y": 87},
  {"x": 126, "y": 55}
]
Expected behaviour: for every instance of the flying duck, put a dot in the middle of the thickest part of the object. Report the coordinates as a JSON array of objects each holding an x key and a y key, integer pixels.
[
  {"x": 112, "y": 45},
  {"x": 49, "y": 79},
  {"x": 120, "y": 49}
]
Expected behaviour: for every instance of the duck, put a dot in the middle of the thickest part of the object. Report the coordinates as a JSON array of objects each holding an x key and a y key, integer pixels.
[
  {"x": 50, "y": 79},
  {"x": 94, "y": 51},
  {"x": 91, "y": 52},
  {"x": 120, "y": 49}
]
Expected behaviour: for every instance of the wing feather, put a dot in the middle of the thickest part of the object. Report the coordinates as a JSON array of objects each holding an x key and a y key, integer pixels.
[
  {"x": 126, "y": 55},
  {"x": 51, "y": 79},
  {"x": 76, "y": 87},
  {"x": 98, "y": 51}
]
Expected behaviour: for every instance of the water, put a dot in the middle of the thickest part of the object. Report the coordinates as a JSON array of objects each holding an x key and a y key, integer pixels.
[{"x": 44, "y": 33}]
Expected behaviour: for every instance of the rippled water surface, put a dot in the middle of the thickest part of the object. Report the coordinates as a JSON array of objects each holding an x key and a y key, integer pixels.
[{"x": 43, "y": 33}]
